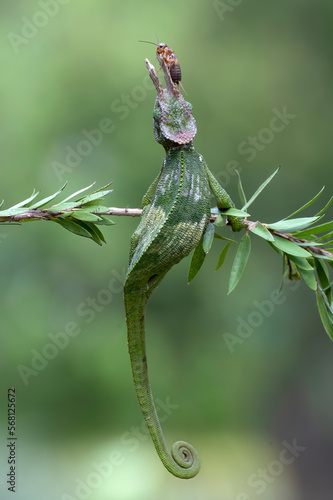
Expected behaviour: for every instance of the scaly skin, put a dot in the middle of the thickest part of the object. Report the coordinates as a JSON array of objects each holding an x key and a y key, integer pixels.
[{"x": 176, "y": 213}]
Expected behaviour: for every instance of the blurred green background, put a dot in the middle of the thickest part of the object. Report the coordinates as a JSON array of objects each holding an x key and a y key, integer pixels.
[{"x": 65, "y": 67}]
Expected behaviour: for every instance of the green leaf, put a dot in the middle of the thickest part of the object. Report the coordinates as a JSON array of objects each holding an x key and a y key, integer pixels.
[
  {"x": 308, "y": 277},
  {"x": 62, "y": 206},
  {"x": 197, "y": 260},
  {"x": 325, "y": 237},
  {"x": 321, "y": 228},
  {"x": 301, "y": 262},
  {"x": 220, "y": 221},
  {"x": 223, "y": 256},
  {"x": 326, "y": 317},
  {"x": 85, "y": 216},
  {"x": 260, "y": 230},
  {"x": 307, "y": 204},
  {"x": 101, "y": 209},
  {"x": 324, "y": 278},
  {"x": 105, "y": 221},
  {"x": 25, "y": 203},
  {"x": 240, "y": 261},
  {"x": 287, "y": 226},
  {"x": 95, "y": 232},
  {"x": 98, "y": 195},
  {"x": 13, "y": 211},
  {"x": 208, "y": 237},
  {"x": 323, "y": 210},
  {"x": 219, "y": 237},
  {"x": 289, "y": 247},
  {"x": 240, "y": 189},
  {"x": 73, "y": 227},
  {"x": 47, "y": 200},
  {"x": 234, "y": 211},
  {"x": 260, "y": 188},
  {"x": 77, "y": 192}
]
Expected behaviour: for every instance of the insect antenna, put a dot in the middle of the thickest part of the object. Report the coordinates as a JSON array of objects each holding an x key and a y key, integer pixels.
[{"x": 145, "y": 41}]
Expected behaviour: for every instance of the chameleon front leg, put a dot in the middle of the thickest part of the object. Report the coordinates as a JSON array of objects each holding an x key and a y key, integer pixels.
[{"x": 223, "y": 199}]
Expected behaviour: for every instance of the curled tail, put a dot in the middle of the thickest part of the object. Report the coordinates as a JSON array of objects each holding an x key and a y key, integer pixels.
[{"x": 183, "y": 460}]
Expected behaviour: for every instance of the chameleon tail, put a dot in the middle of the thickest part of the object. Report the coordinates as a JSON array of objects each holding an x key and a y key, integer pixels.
[{"x": 183, "y": 461}]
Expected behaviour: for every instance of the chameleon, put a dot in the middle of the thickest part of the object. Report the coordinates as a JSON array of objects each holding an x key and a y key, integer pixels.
[{"x": 175, "y": 215}]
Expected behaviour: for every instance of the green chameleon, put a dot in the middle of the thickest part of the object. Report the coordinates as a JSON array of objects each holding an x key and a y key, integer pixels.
[{"x": 176, "y": 211}]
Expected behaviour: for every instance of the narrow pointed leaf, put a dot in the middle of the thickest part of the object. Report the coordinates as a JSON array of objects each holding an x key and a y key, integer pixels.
[
  {"x": 301, "y": 262},
  {"x": 324, "y": 278},
  {"x": 77, "y": 192},
  {"x": 325, "y": 237},
  {"x": 288, "y": 225},
  {"x": 262, "y": 231},
  {"x": 103, "y": 188},
  {"x": 105, "y": 221},
  {"x": 95, "y": 232},
  {"x": 308, "y": 277},
  {"x": 326, "y": 318},
  {"x": 323, "y": 210},
  {"x": 73, "y": 227},
  {"x": 219, "y": 237},
  {"x": 85, "y": 216},
  {"x": 25, "y": 203},
  {"x": 13, "y": 211},
  {"x": 47, "y": 200},
  {"x": 208, "y": 237},
  {"x": 260, "y": 188},
  {"x": 289, "y": 247},
  {"x": 235, "y": 212},
  {"x": 222, "y": 257},
  {"x": 240, "y": 189},
  {"x": 62, "y": 206},
  {"x": 99, "y": 195},
  {"x": 240, "y": 261},
  {"x": 197, "y": 260},
  {"x": 220, "y": 221},
  {"x": 307, "y": 204},
  {"x": 321, "y": 228}
]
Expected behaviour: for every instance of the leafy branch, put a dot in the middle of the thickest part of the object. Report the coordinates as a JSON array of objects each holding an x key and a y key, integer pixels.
[{"x": 298, "y": 240}]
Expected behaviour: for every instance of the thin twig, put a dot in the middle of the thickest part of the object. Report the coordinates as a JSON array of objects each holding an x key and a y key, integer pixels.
[{"x": 33, "y": 214}]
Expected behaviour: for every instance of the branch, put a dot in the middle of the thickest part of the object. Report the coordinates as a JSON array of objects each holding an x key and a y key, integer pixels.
[{"x": 299, "y": 244}]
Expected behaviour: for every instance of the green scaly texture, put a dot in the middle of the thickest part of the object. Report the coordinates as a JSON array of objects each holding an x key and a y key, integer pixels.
[{"x": 176, "y": 211}]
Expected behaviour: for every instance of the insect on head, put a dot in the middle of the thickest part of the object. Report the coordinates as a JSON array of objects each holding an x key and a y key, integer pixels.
[{"x": 170, "y": 59}]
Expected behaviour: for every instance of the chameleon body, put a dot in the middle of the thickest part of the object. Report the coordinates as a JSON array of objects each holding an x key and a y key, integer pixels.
[{"x": 176, "y": 211}]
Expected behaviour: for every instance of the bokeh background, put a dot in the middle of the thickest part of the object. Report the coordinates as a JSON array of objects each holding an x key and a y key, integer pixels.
[{"x": 65, "y": 67}]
